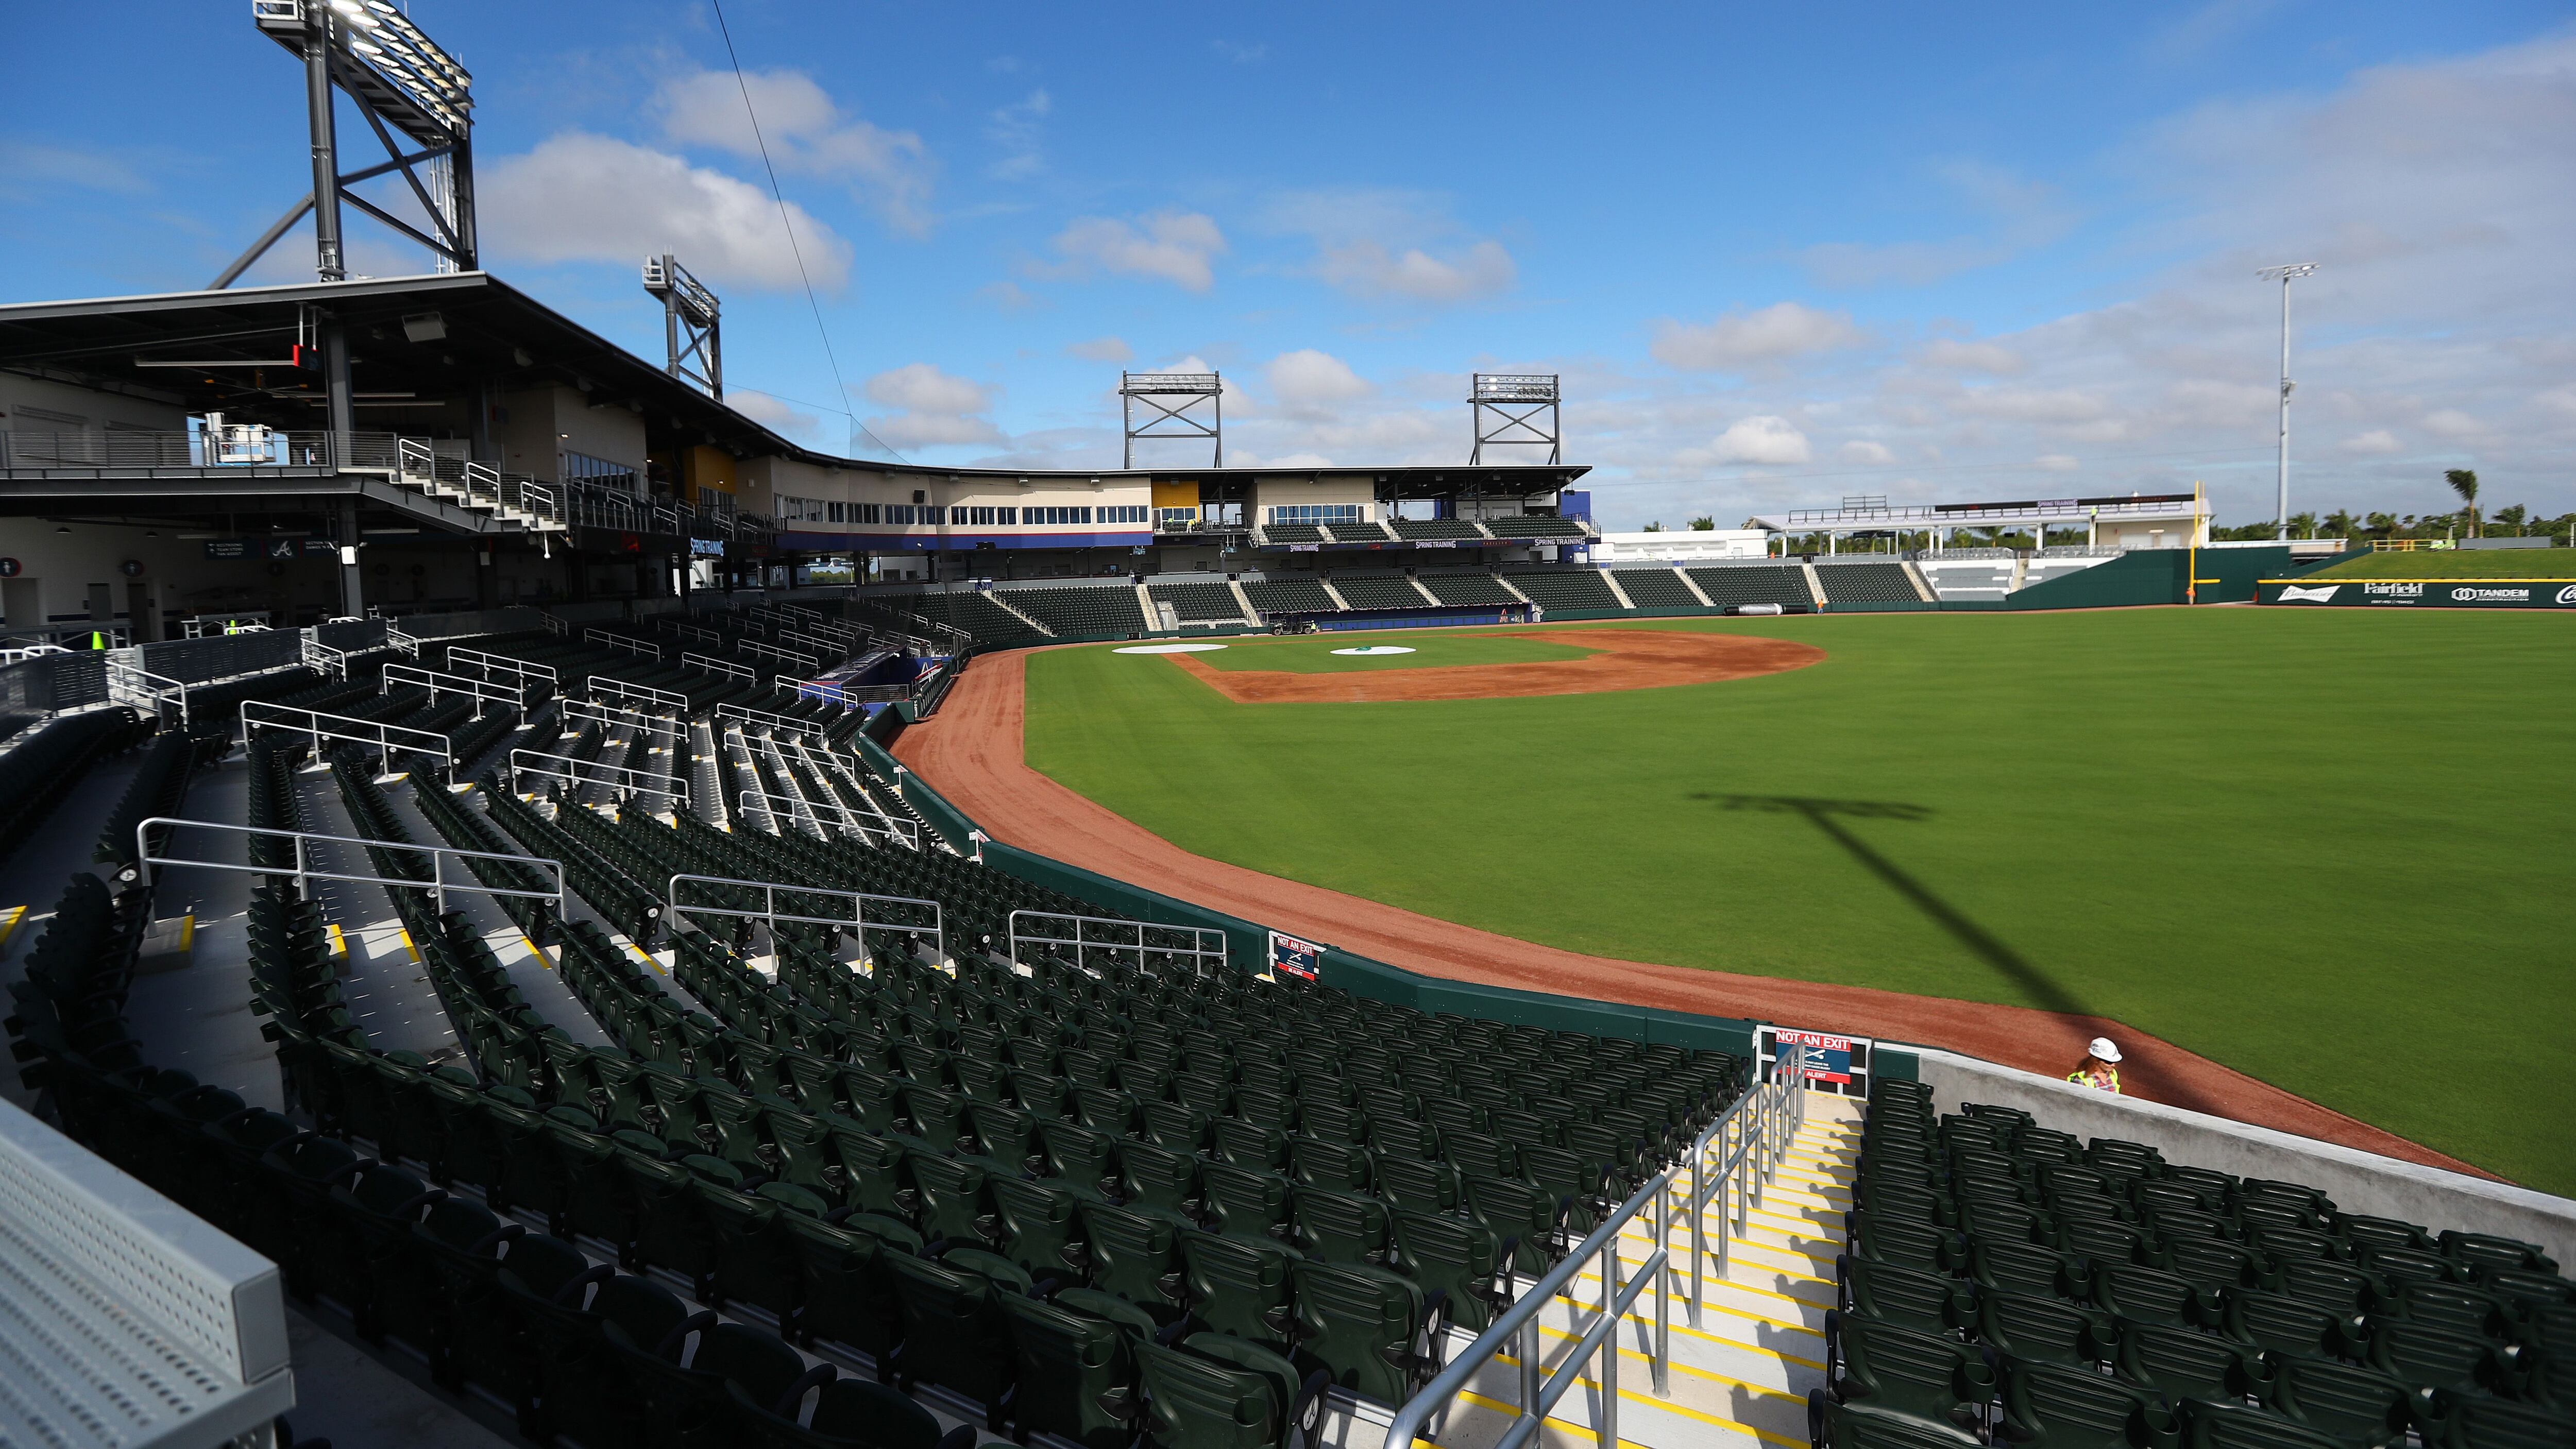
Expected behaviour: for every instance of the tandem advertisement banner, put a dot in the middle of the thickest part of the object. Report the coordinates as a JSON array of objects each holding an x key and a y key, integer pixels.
[{"x": 2424, "y": 593}]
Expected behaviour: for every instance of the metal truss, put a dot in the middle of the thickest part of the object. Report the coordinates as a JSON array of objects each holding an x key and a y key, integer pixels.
[
  {"x": 1506, "y": 408},
  {"x": 1173, "y": 420}
]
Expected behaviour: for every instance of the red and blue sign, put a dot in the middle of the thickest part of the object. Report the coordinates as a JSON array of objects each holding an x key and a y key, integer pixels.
[{"x": 1292, "y": 957}]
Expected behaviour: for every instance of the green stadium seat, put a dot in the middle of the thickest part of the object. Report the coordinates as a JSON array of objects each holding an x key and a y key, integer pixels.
[
  {"x": 2053, "y": 1406},
  {"x": 2357, "y": 1406},
  {"x": 955, "y": 1333},
  {"x": 1366, "y": 1327},
  {"x": 1076, "y": 1373},
  {"x": 1238, "y": 1286}
]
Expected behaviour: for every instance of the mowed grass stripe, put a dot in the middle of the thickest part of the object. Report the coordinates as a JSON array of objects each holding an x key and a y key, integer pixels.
[{"x": 2274, "y": 837}]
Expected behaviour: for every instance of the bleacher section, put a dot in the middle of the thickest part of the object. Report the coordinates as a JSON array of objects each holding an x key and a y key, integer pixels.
[
  {"x": 1657, "y": 589},
  {"x": 2006, "y": 1283},
  {"x": 982, "y": 620},
  {"x": 1573, "y": 588},
  {"x": 1854, "y": 583},
  {"x": 1019, "y": 1193},
  {"x": 1104, "y": 609},
  {"x": 2043, "y": 566},
  {"x": 1534, "y": 528},
  {"x": 1293, "y": 533},
  {"x": 1378, "y": 591},
  {"x": 1289, "y": 596},
  {"x": 1201, "y": 603},
  {"x": 1750, "y": 584},
  {"x": 1412, "y": 528},
  {"x": 1360, "y": 532},
  {"x": 1462, "y": 589}
]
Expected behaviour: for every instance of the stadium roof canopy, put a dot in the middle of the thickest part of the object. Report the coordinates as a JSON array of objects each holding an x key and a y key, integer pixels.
[
  {"x": 428, "y": 341},
  {"x": 1877, "y": 517}
]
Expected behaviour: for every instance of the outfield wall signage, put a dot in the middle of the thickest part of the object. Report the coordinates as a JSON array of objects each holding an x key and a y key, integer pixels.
[
  {"x": 1828, "y": 1062},
  {"x": 1292, "y": 957},
  {"x": 2423, "y": 593}
]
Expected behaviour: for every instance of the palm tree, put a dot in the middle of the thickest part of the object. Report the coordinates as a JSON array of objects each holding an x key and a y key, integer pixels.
[{"x": 2464, "y": 481}]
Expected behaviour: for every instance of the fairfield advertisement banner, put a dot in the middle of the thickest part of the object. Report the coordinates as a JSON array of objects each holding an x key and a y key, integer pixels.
[{"x": 2421, "y": 593}]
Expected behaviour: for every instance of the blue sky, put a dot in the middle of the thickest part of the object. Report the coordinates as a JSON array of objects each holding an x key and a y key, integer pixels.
[{"x": 1978, "y": 252}]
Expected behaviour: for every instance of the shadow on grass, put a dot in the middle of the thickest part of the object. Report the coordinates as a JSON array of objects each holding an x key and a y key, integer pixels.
[{"x": 1828, "y": 816}]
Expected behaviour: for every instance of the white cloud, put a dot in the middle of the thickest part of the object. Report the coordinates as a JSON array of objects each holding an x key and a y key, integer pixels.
[
  {"x": 2056, "y": 463},
  {"x": 1019, "y": 130},
  {"x": 2018, "y": 214},
  {"x": 1172, "y": 246},
  {"x": 26, "y": 166},
  {"x": 1366, "y": 268},
  {"x": 1309, "y": 380},
  {"x": 1101, "y": 349},
  {"x": 579, "y": 197},
  {"x": 1377, "y": 242},
  {"x": 888, "y": 171},
  {"x": 1009, "y": 296},
  {"x": 1764, "y": 439},
  {"x": 1777, "y": 333},
  {"x": 2376, "y": 442},
  {"x": 1959, "y": 356},
  {"x": 1861, "y": 450},
  {"x": 2034, "y": 405},
  {"x": 774, "y": 413},
  {"x": 938, "y": 408},
  {"x": 2453, "y": 424}
]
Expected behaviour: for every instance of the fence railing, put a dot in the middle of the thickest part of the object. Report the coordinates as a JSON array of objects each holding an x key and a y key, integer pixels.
[
  {"x": 627, "y": 783},
  {"x": 321, "y": 656},
  {"x": 496, "y": 666},
  {"x": 1728, "y": 1164},
  {"x": 612, "y": 717},
  {"x": 765, "y": 722},
  {"x": 481, "y": 691},
  {"x": 858, "y": 901},
  {"x": 785, "y": 658},
  {"x": 724, "y": 667},
  {"x": 133, "y": 684},
  {"x": 301, "y": 865},
  {"x": 635, "y": 647},
  {"x": 600, "y": 686},
  {"x": 864, "y": 824},
  {"x": 259, "y": 714},
  {"x": 1125, "y": 940},
  {"x": 404, "y": 644},
  {"x": 689, "y": 633}
]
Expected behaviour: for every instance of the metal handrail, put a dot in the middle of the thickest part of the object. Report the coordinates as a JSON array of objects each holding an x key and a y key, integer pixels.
[
  {"x": 142, "y": 686},
  {"x": 768, "y": 722},
  {"x": 619, "y": 641},
  {"x": 492, "y": 664},
  {"x": 612, "y": 717},
  {"x": 713, "y": 665},
  {"x": 1199, "y": 936},
  {"x": 321, "y": 656},
  {"x": 858, "y": 918},
  {"x": 1761, "y": 1125},
  {"x": 628, "y": 783},
  {"x": 325, "y": 728},
  {"x": 438, "y": 884},
  {"x": 600, "y": 685},
  {"x": 481, "y": 691},
  {"x": 688, "y": 631},
  {"x": 783, "y": 656},
  {"x": 831, "y": 812}
]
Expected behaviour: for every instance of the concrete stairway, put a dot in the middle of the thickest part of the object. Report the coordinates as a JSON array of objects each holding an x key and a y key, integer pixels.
[{"x": 1740, "y": 1376}]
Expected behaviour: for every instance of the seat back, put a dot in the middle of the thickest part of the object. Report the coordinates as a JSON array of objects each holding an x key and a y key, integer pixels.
[
  {"x": 1364, "y": 1326},
  {"x": 1198, "y": 1403},
  {"x": 1077, "y": 1373},
  {"x": 1237, "y": 1286}
]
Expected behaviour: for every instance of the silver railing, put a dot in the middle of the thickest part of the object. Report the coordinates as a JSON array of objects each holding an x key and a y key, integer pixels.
[
  {"x": 481, "y": 691},
  {"x": 578, "y": 772},
  {"x": 302, "y": 868},
  {"x": 1205, "y": 946},
  {"x": 765, "y": 721},
  {"x": 321, "y": 656},
  {"x": 857, "y": 920},
  {"x": 861, "y": 823},
  {"x": 259, "y": 714},
  {"x": 401, "y": 643},
  {"x": 612, "y": 717},
  {"x": 619, "y": 641},
  {"x": 784, "y": 657},
  {"x": 1728, "y": 1163},
  {"x": 600, "y": 686},
  {"x": 718, "y": 666},
  {"x": 133, "y": 684},
  {"x": 485, "y": 666},
  {"x": 688, "y": 633}
]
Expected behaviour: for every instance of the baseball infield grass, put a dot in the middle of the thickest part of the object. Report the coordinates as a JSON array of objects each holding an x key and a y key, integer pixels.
[
  {"x": 2445, "y": 563},
  {"x": 1313, "y": 654},
  {"x": 2331, "y": 849}
]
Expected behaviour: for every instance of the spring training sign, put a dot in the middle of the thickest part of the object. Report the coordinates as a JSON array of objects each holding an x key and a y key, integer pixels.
[{"x": 2424, "y": 593}]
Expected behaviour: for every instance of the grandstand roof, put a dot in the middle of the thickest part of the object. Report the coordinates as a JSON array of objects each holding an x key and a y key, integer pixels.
[{"x": 488, "y": 333}]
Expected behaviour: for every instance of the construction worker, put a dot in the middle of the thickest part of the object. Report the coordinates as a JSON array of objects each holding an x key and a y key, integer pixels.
[{"x": 2100, "y": 1069}]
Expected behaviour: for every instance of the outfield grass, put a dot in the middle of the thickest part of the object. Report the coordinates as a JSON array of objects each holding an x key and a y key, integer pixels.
[
  {"x": 2453, "y": 563},
  {"x": 2329, "y": 848},
  {"x": 1313, "y": 654}
]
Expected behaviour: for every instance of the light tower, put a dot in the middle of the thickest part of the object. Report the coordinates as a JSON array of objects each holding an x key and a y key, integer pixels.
[
  {"x": 1173, "y": 420},
  {"x": 1514, "y": 402},
  {"x": 2287, "y": 275},
  {"x": 690, "y": 332},
  {"x": 410, "y": 93}
]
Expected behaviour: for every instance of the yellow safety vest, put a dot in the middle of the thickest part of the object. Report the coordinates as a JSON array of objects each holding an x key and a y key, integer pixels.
[{"x": 2083, "y": 1078}]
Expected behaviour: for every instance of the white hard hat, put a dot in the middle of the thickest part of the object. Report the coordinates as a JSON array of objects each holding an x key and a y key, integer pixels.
[{"x": 2102, "y": 1048}]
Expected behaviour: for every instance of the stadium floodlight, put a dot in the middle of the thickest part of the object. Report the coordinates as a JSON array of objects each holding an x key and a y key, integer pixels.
[
  {"x": 414, "y": 97},
  {"x": 1504, "y": 408},
  {"x": 2287, "y": 275},
  {"x": 691, "y": 324},
  {"x": 1173, "y": 420}
]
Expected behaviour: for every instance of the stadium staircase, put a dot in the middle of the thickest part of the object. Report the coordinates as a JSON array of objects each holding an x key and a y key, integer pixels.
[{"x": 1741, "y": 1375}]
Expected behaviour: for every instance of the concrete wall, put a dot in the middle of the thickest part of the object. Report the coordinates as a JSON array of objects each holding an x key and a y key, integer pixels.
[
  {"x": 1680, "y": 545},
  {"x": 2359, "y": 1182},
  {"x": 536, "y": 426},
  {"x": 34, "y": 405}
]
